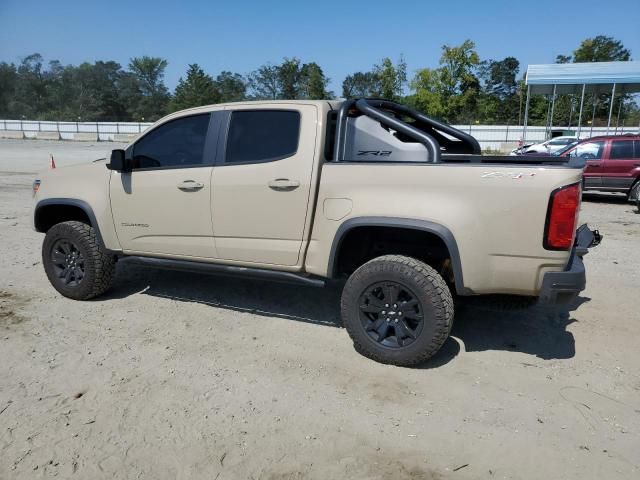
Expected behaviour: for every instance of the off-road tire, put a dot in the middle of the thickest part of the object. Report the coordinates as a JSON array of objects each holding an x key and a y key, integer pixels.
[
  {"x": 634, "y": 193},
  {"x": 431, "y": 291},
  {"x": 99, "y": 266}
]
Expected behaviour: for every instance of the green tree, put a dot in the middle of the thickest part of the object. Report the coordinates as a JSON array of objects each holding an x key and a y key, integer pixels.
[
  {"x": 362, "y": 85},
  {"x": 289, "y": 76},
  {"x": 8, "y": 85},
  {"x": 392, "y": 77},
  {"x": 313, "y": 83},
  {"x": 232, "y": 87},
  {"x": 264, "y": 83},
  {"x": 499, "y": 101},
  {"x": 31, "y": 95},
  {"x": 457, "y": 66},
  {"x": 289, "y": 81},
  {"x": 452, "y": 90},
  {"x": 196, "y": 90},
  {"x": 154, "y": 96},
  {"x": 601, "y": 49},
  {"x": 428, "y": 96}
]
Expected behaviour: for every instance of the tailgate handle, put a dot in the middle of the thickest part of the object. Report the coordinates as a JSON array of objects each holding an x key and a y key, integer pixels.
[
  {"x": 283, "y": 184},
  {"x": 190, "y": 186}
]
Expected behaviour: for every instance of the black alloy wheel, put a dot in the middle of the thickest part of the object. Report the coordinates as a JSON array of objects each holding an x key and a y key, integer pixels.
[
  {"x": 391, "y": 314},
  {"x": 68, "y": 262}
]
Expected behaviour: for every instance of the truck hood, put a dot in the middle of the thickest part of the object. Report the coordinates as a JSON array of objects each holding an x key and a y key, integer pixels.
[{"x": 74, "y": 181}]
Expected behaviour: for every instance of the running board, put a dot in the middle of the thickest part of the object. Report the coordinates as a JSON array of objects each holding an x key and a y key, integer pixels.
[{"x": 230, "y": 270}]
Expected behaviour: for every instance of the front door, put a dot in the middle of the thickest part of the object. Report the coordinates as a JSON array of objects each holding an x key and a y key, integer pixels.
[
  {"x": 163, "y": 205},
  {"x": 591, "y": 153},
  {"x": 261, "y": 187}
]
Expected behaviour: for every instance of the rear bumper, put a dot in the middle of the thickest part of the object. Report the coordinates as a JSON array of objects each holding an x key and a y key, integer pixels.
[{"x": 561, "y": 288}]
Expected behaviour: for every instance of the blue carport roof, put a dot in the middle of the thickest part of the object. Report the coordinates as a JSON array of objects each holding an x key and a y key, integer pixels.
[{"x": 596, "y": 76}]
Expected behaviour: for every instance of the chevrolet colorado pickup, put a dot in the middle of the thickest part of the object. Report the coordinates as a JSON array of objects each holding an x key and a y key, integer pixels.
[{"x": 402, "y": 208}]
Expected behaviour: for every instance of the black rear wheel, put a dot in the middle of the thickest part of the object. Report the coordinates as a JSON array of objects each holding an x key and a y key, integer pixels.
[
  {"x": 397, "y": 310},
  {"x": 75, "y": 263},
  {"x": 634, "y": 193}
]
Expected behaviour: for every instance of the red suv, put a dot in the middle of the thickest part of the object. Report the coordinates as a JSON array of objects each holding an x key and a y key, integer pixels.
[{"x": 612, "y": 163}]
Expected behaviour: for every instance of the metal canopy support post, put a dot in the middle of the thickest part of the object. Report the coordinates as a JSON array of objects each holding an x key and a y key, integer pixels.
[
  {"x": 613, "y": 94},
  {"x": 619, "y": 113},
  {"x": 593, "y": 114},
  {"x": 580, "y": 114},
  {"x": 526, "y": 116},
  {"x": 553, "y": 106}
]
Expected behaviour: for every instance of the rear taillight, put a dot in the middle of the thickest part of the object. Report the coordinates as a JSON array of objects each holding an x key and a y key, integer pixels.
[{"x": 562, "y": 218}]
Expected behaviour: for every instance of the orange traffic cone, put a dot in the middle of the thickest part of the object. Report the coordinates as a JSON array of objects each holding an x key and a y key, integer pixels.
[{"x": 52, "y": 162}]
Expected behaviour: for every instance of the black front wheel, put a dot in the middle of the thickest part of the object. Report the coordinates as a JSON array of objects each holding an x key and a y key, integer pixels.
[
  {"x": 397, "y": 310},
  {"x": 75, "y": 263}
]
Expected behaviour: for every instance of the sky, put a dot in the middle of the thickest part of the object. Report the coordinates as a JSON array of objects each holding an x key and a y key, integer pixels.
[{"x": 341, "y": 36}]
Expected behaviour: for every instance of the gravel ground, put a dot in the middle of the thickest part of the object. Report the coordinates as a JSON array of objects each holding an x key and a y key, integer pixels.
[{"x": 175, "y": 375}]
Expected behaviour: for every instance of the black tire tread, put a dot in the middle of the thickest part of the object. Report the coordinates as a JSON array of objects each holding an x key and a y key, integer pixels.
[
  {"x": 103, "y": 264},
  {"x": 422, "y": 274}
]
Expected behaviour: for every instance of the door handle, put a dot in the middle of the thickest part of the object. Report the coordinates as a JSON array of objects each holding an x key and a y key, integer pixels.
[
  {"x": 190, "y": 186},
  {"x": 283, "y": 184}
]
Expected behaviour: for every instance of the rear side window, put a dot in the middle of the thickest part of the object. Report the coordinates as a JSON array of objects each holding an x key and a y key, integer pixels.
[
  {"x": 637, "y": 149},
  {"x": 621, "y": 149},
  {"x": 262, "y": 135},
  {"x": 175, "y": 144}
]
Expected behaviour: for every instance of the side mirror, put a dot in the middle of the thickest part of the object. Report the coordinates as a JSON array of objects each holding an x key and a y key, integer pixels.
[{"x": 118, "y": 161}]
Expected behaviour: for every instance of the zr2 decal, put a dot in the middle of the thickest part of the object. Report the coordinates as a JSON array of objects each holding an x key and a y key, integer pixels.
[{"x": 377, "y": 153}]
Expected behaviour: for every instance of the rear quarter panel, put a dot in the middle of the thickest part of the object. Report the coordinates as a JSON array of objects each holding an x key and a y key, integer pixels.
[{"x": 495, "y": 213}]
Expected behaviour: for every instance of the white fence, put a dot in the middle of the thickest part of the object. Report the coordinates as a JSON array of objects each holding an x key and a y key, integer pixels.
[
  {"x": 97, "y": 131},
  {"x": 496, "y": 137}
]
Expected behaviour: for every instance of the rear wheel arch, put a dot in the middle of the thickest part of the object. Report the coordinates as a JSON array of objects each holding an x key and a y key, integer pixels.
[{"x": 432, "y": 229}]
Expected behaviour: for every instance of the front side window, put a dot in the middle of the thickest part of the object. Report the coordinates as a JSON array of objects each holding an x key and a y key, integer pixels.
[
  {"x": 175, "y": 144},
  {"x": 262, "y": 135},
  {"x": 588, "y": 150},
  {"x": 621, "y": 149}
]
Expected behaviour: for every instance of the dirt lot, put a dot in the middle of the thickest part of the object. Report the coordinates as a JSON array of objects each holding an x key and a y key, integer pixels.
[{"x": 176, "y": 375}]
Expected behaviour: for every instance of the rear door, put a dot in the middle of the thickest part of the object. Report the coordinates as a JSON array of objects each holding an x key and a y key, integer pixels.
[
  {"x": 592, "y": 153},
  {"x": 621, "y": 165},
  {"x": 262, "y": 184}
]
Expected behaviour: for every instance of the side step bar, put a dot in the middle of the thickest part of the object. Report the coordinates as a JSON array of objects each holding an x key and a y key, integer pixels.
[{"x": 230, "y": 270}]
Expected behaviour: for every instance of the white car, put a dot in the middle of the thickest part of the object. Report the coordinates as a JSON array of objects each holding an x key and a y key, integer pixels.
[{"x": 552, "y": 145}]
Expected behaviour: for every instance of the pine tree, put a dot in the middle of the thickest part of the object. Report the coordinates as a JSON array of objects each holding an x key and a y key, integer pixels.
[{"x": 198, "y": 89}]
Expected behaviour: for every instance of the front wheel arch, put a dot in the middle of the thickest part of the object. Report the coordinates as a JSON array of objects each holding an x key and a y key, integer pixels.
[{"x": 52, "y": 211}]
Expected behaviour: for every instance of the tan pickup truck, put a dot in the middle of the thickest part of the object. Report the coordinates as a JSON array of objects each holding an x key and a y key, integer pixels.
[{"x": 401, "y": 208}]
